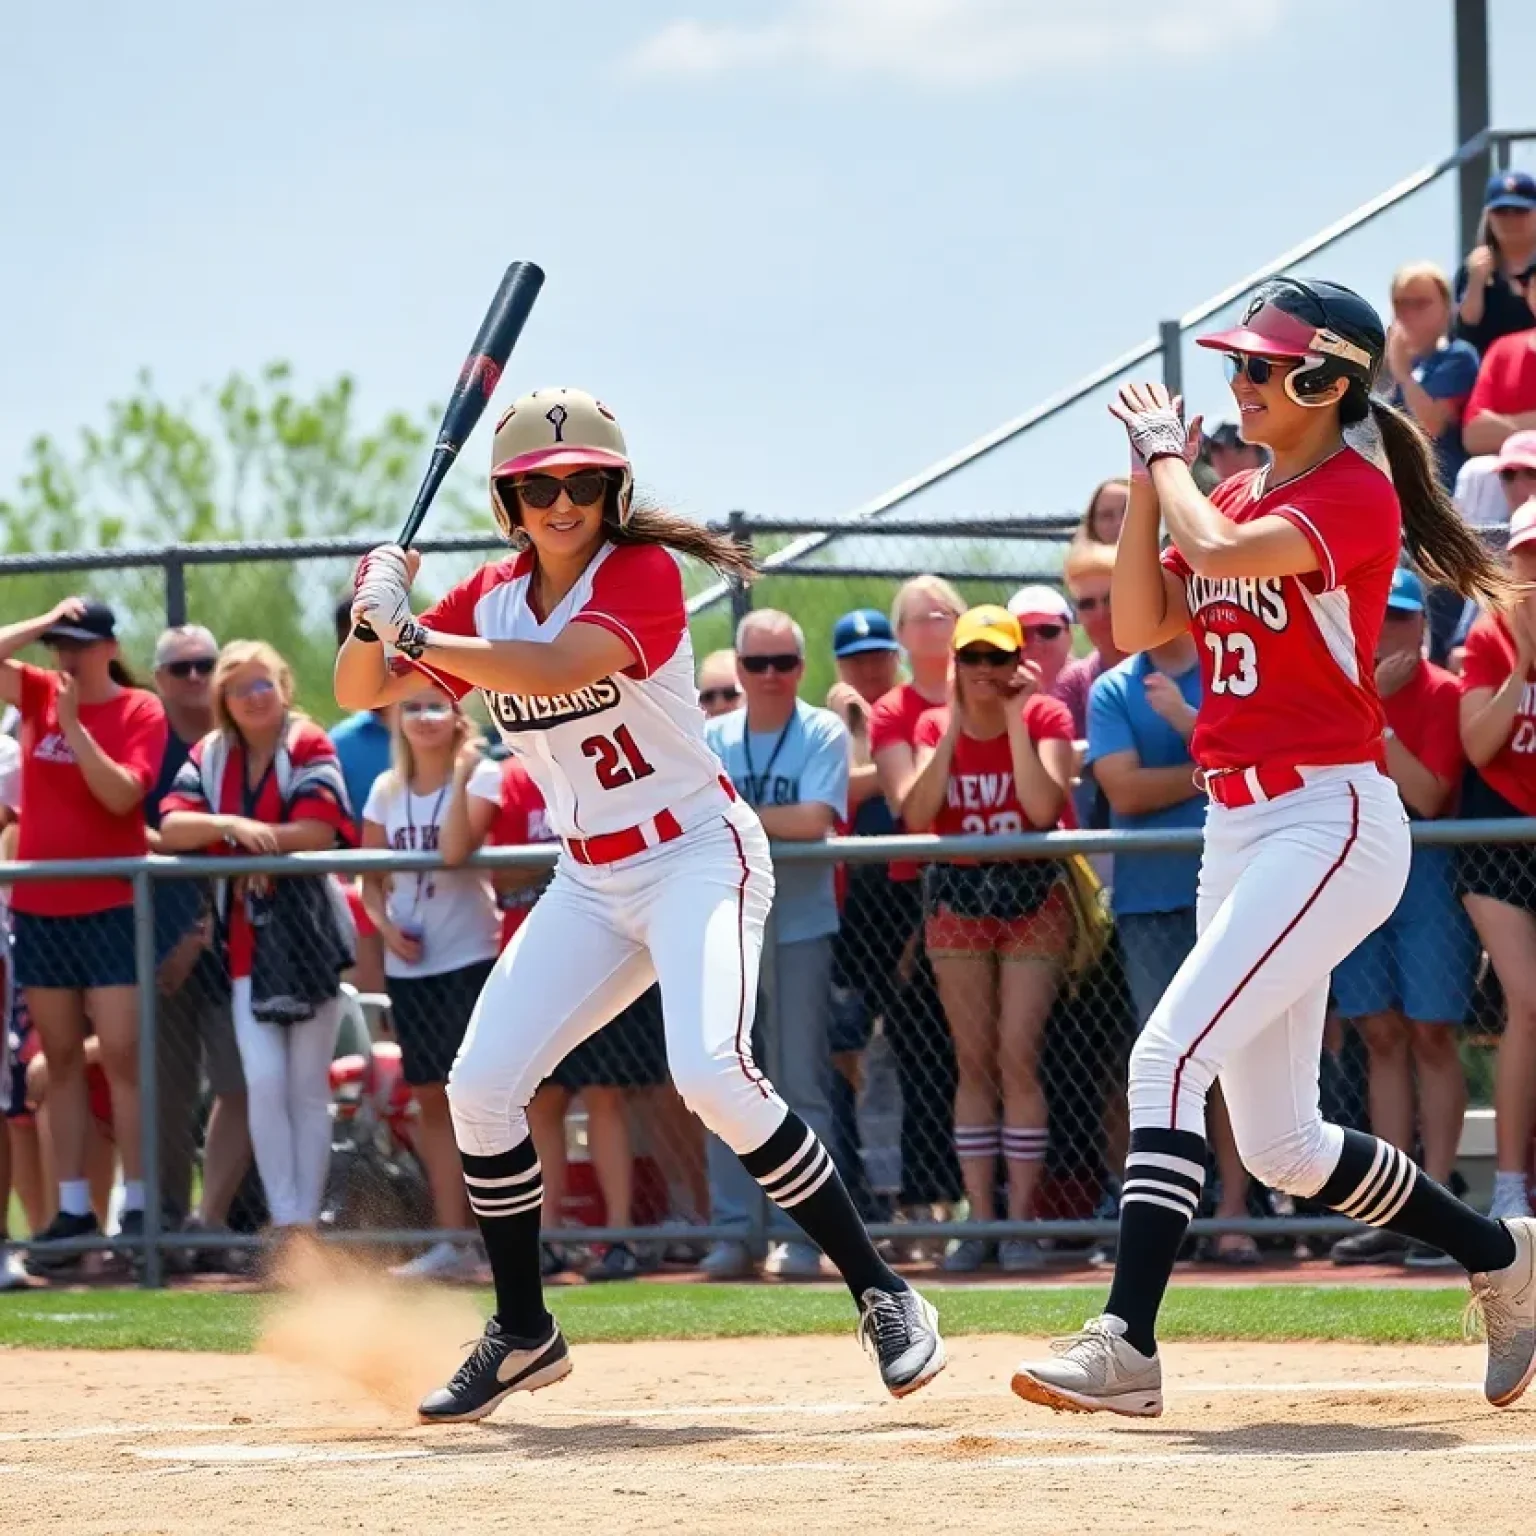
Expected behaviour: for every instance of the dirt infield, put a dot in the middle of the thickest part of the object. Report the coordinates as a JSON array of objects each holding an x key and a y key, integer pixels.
[{"x": 760, "y": 1436}]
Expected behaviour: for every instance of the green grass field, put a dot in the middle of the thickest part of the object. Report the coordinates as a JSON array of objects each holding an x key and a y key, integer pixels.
[{"x": 100, "y": 1319}]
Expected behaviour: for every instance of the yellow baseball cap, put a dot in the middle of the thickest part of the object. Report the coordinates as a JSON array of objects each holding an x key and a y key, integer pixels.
[{"x": 988, "y": 625}]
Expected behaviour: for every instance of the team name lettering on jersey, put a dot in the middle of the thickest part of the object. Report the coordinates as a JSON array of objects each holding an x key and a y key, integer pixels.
[
  {"x": 541, "y": 712},
  {"x": 54, "y": 748},
  {"x": 979, "y": 791},
  {"x": 1265, "y": 599}
]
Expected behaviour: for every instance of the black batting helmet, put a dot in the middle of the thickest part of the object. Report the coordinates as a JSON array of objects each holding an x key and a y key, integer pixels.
[{"x": 1337, "y": 333}]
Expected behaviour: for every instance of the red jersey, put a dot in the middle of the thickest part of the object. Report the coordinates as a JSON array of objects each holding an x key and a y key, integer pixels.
[
  {"x": 1425, "y": 715},
  {"x": 316, "y": 792},
  {"x": 1490, "y": 659},
  {"x": 1506, "y": 381},
  {"x": 893, "y": 721},
  {"x": 982, "y": 795},
  {"x": 61, "y": 818},
  {"x": 520, "y": 819},
  {"x": 1288, "y": 663},
  {"x": 618, "y": 752}
]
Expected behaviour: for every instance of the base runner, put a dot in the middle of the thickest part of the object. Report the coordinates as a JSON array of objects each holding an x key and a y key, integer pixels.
[
  {"x": 1283, "y": 578},
  {"x": 579, "y": 643}
]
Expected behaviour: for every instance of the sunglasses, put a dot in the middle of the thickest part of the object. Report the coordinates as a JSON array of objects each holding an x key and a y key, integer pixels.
[
  {"x": 719, "y": 695},
  {"x": 986, "y": 656},
  {"x": 1091, "y": 604},
  {"x": 1517, "y": 472},
  {"x": 257, "y": 689},
  {"x": 195, "y": 666},
  {"x": 1260, "y": 370},
  {"x": 427, "y": 711},
  {"x": 1045, "y": 631},
  {"x": 541, "y": 492},
  {"x": 760, "y": 664}
]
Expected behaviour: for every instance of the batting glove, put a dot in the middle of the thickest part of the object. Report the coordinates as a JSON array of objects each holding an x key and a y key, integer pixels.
[
  {"x": 1154, "y": 425},
  {"x": 384, "y": 606},
  {"x": 386, "y": 562}
]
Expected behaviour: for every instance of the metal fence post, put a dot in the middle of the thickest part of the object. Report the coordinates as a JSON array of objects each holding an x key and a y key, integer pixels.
[
  {"x": 773, "y": 1049},
  {"x": 741, "y": 594},
  {"x": 175, "y": 592},
  {"x": 1171, "y": 342},
  {"x": 149, "y": 1080}
]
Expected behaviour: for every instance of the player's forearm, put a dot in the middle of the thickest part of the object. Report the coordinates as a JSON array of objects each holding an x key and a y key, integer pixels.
[
  {"x": 809, "y": 822},
  {"x": 361, "y": 676},
  {"x": 1138, "y": 592},
  {"x": 509, "y": 666},
  {"x": 1206, "y": 539},
  {"x": 1421, "y": 790}
]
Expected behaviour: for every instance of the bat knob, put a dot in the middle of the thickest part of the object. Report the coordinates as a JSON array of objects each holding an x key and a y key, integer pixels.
[{"x": 361, "y": 631}]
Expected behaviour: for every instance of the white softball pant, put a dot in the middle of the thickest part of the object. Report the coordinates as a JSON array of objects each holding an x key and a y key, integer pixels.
[
  {"x": 689, "y": 914},
  {"x": 1288, "y": 888}
]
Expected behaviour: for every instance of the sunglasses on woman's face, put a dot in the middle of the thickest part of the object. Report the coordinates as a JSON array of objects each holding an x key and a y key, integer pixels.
[
  {"x": 428, "y": 712},
  {"x": 757, "y": 665},
  {"x": 986, "y": 656},
  {"x": 541, "y": 492},
  {"x": 719, "y": 695},
  {"x": 1260, "y": 370},
  {"x": 193, "y": 666},
  {"x": 1516, "y": 472},
  {"x": 259, "y": 688}
]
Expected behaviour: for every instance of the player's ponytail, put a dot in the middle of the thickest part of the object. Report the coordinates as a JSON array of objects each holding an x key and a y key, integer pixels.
[
  {"x": 650, "y": 524},
  {"x": 1442, "y": 545}
]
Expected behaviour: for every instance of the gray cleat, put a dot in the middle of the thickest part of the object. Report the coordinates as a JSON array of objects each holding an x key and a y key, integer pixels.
[
  {"x": 901, "y": 1331},
  {"x": 1505, "y": 1300}
]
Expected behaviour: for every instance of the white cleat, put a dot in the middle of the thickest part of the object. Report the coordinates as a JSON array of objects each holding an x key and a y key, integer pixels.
[
  {"x": 1505, "y": 1300},
  {"x": 1094, "y": 1371}
]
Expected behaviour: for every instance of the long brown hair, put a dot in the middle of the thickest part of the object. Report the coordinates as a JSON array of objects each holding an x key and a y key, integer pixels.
[
  {"x": 1439, "y": 540},
  {"x": 651, "y": 524},
  {"x": 1085, "y": 526}
]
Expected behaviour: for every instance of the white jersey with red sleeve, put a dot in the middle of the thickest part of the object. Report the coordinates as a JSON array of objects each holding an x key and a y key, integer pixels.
[
  {"x": 615, "y": 754},
  {"x": 1289, "y": 662}
]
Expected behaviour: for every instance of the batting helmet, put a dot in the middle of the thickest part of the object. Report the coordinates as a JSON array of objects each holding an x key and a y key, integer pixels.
[
  {"x": 555, "y": 428},
  {"x": 1337, "y": 333}
]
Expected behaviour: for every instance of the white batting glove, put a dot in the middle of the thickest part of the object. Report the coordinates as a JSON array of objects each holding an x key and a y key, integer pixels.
[
  {"x": 385, "y": 562},
  {"x": 384, "y": 606}
]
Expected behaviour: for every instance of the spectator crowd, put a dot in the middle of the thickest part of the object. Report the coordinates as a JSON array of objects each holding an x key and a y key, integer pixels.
[{"x": 989, "y": 1004}]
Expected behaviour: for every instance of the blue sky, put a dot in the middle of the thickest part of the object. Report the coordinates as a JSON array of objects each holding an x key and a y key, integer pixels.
[{"x": 803, "y": 247}]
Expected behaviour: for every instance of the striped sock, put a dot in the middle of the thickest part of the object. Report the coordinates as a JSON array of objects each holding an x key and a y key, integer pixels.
[
  {"x": 979, "y": 1141},
  {"x": 1025, "y": 1143},
  {"x": 1164, "y": 1175},
  {"x": 796, "y": 1172},
  {"x": 506, "y": 1193},
  {"x": 1377, "y": 1184}
]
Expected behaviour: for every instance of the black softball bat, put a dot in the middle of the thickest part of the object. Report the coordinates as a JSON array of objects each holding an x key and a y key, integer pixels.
[{"x": 488, "y": 354}]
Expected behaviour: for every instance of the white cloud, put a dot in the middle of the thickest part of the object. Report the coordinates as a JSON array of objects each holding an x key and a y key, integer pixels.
[{"x": 954, "y": 42}]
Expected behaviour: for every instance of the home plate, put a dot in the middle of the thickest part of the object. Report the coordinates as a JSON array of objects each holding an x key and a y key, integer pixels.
[{"x": 256, "y": 1453}]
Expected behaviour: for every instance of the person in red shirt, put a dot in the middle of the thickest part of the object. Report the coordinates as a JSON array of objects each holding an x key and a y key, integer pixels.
[
  {"x": 923, "y": 616},
  {"x": 1408, "y": 985},
  {"x": 267, "y": 780},
  {"x": 91, "y": 746},
  {"x": 1503, "y": 400},
  {"x": 1283, "y": 576},
  {"x": 1498, "y": 880},
  {"x": 997, "y": 761}
]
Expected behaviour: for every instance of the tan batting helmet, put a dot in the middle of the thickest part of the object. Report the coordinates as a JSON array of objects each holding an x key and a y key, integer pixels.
[{"x": 555, "y": 428}]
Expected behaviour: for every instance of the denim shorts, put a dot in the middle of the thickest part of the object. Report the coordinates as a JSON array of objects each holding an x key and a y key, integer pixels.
[
  {"x": 94, "y": 949},
  {"x": 1423, "y": 959}
]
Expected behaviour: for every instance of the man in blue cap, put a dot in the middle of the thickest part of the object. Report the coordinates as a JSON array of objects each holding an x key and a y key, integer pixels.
[
  {"x": 1408, "y": 986},
  {"x": 864, "y": 966}
]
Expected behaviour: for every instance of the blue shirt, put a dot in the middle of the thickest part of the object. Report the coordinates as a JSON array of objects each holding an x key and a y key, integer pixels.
[
  {"x": 1446, "y": 374},
  {"x": 362, "y": 745},
  {"x": 1121, "y": 720},
  {"x": 806, "y": 762}
]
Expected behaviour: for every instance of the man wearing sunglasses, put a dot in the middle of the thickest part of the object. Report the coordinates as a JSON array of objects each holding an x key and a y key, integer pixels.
[
  {"x": 196, "y": 1031},
  {"x": 789, "y": 762}
]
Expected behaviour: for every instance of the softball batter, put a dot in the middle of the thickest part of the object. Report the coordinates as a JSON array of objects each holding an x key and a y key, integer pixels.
[
  {"x": 1283, "y": 578},
  {"x": 579, "y": 643}
]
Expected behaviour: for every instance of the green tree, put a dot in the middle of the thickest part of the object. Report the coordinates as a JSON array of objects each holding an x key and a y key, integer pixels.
[{"x": 257, "y": 458}]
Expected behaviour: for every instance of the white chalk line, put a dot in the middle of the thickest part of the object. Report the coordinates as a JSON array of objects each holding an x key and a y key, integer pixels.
[
  {"x": 112, "y": 1431},
  {"x": 225, "y": 1454}
]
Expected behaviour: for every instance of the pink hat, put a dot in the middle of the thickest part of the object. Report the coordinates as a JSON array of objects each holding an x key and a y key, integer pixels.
[
  {"x": 1519, "y": 451},
  {"x": 1040, "y": 603},
  {"x": 1522, "y": 525}
]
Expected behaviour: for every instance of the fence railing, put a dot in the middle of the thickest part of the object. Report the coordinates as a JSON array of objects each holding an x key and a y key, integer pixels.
[{"x": 881, "y": 984}]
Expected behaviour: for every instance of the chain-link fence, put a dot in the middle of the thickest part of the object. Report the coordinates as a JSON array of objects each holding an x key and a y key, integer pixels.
[{"x": 961, "y": 1043}]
